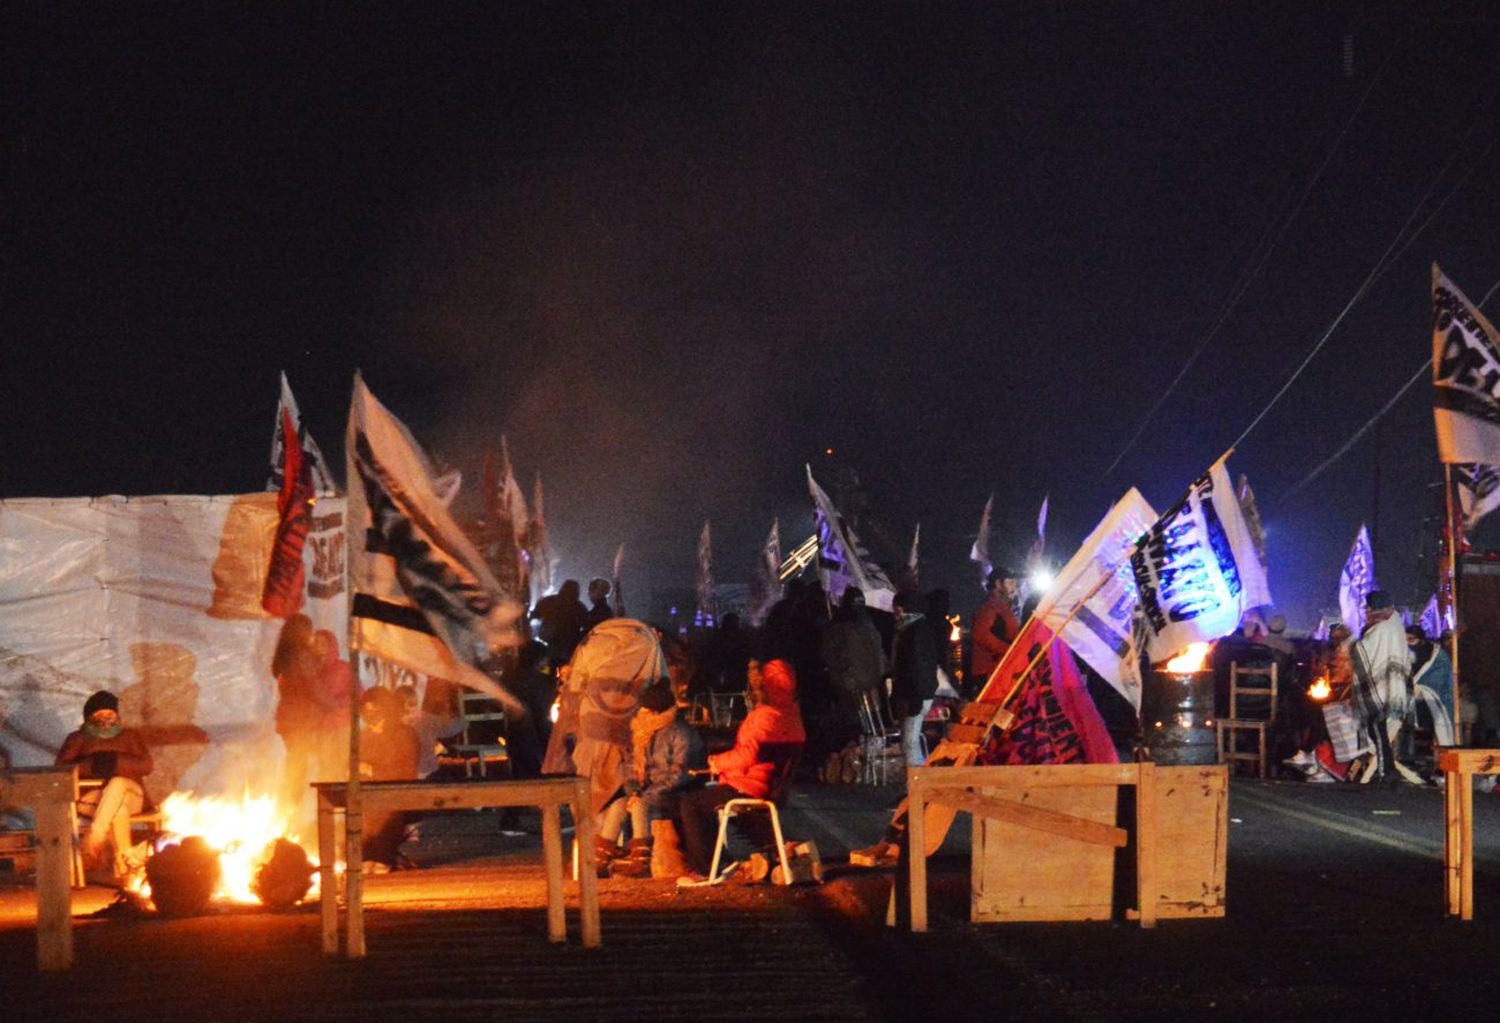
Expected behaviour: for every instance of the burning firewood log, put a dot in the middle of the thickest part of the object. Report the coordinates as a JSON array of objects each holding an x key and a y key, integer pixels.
[
  {"x": 285, "y": 878},
  {"x": 183, "y": 877}
]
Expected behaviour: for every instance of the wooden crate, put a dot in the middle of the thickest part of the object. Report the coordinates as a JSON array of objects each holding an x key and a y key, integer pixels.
[
  {"x": 1023, "y": 873},
  {"x": 17, "y": 852}
]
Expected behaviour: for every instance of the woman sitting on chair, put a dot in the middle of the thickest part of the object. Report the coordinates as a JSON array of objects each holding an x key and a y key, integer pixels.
[
  {"x": 105, "y": 751},
  {"x": 747, "y": 770}
]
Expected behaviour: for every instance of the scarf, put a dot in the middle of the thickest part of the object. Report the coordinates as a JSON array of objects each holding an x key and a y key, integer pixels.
[
  {"x": 643, "y": 728},
  {"x": 93, "y": 731}
]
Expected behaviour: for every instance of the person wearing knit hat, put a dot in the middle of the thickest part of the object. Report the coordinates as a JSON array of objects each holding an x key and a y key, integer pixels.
[{"x": 105, "y": 751}]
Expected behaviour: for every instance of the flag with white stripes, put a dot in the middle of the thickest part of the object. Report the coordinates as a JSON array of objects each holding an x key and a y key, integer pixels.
[{"x": 842, "y": 560}]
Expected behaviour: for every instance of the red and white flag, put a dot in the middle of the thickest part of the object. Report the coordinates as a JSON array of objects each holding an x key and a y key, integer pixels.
[
  {"x": 286, "y": 578},
  {"x": 312, "y": 456}
]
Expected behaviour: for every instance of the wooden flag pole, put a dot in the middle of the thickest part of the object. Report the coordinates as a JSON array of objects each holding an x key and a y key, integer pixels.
[
  {"x": 1458, "y": 713},
  {"x": 354, "y": 892}
]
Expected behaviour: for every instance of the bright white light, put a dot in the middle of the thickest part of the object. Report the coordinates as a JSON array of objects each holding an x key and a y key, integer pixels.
[{"x": 1041, "y": 581}]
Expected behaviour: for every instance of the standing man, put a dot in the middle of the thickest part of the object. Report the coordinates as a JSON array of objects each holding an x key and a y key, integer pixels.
[
  {"x": 599, "y": 608},
  {"x": 994, "y": 629},
  {"x": 563, "y": 620},
  {"x": 913, "y": 672}
]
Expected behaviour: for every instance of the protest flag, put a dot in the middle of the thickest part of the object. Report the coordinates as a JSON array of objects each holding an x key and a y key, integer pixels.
[
  {"x": 506, "y": 518},
  {"x": 539, "y": 546},
  {"x": 842, "y": 560},
  {"x": 765, "y": 586},
  {"x": 912, "y": 555},
  {"x": 1196, "y": 569},
  {"x": 1092, "y": 599},
  {"x": 422, "y": 596},
  {"x": 312, "y": 456},
  {"x": 286, "y": 577},
  {"x": 1055, "y": 719},
  {"x": 1356, "y": 580},
  {"x": 615, "y": 585},
  {"x": 1431, "y": 621},
  {"x": 703, "y": 582},
  {"x": 1465, "y": 377},
  {"x": 1478, "y": 491},
  {"x": 980, "y": 551}
]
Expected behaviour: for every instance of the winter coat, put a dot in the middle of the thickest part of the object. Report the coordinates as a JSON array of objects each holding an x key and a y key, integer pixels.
[
  {"x": 124, "y": 755},
  {"x": 913, "y": 665},
  {"x": 672, "y": 752},
  {"x": 854, "y": 654},
  {"x": 994, "y": 630},
  {"x": 776, "y": 719}
]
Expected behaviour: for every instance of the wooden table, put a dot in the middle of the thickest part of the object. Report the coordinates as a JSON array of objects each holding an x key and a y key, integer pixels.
[
  {"x": 49, "y": 792},
  {"x": 549, "y": 794},
  {"x": 1459, "y": 766}
]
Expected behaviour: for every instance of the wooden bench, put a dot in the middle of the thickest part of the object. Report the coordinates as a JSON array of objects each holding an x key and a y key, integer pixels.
[
  {"x": 548, "y": 794},
  {"x": 49, "y": 792},
  {"x": 1459, "y": 766}
]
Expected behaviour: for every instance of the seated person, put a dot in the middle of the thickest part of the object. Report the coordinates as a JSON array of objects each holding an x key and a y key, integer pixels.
[
  {"x": 104, "y": 750},
  {"x": 773, "y": 726},
  {"x": 665, "y": 752},
  {"x": 389, "y": 751}
]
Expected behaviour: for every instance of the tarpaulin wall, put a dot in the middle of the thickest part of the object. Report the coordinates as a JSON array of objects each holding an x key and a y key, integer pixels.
[{"x": 158, "y": 600}]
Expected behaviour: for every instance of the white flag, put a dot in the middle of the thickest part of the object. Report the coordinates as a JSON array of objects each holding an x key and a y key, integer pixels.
[
  {"x": 1478, "y": 491},
  {"x": 1100, "y": 631},
  {"x": 1465, "y": 377},
  {"x": 1431, "y": 621},
  {"x": 703, "y": 583},
  {"x": 539, "y": 546},
  {"x": 423, "y": 597},
  {"x": 312, "y": 455},
  {"x": 765, "y": 587},
  {"x": 1356, "y": 580},
  {"x": 911, "y": 557},
  {"x": 980, "y": 552},
  {"x": 842, "y": 561},
  {"x": 1196, "y": 568}
]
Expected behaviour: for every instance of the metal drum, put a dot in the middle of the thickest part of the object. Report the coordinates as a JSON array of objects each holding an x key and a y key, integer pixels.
[{"x": 1177, "y": 718}]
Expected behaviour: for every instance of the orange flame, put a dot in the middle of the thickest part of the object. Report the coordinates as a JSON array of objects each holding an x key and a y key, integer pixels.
[
  {"x": 1190, "y": 660},
  {"x": 241, "y": 830},
  {"x": 1320, "y": 690}
]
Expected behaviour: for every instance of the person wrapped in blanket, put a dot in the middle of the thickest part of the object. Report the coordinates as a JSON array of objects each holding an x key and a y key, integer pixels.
[
  {"x": 1366, "y": 717},
  {"x": 106, "y": 751},
  {"x": 664, "y": 754}
]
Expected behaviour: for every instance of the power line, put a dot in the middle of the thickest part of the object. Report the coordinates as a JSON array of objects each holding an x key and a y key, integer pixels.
[
  {"x": 1259, "y": 256},
  {"x": 1384, "y": 263},
  {"x": 1349, "y": 444}
]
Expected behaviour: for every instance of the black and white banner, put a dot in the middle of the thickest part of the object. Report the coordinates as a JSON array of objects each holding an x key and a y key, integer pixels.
[
  {"x": 1196, "y": 568},
  {"x": 1465, "y": 377},
  {"x": 423, "y": 596},
  {"x": 1478, "y": 491},
  {"x": 842, "y": 560}
]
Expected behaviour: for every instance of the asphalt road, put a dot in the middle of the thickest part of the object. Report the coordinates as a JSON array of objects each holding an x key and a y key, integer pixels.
[{"x": 1335, "y": 905}]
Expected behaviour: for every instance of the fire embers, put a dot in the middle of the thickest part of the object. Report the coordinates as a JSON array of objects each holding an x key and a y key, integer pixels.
[
  {"x": 285, "y": 879},
  {"x": 183, "y": 877}
]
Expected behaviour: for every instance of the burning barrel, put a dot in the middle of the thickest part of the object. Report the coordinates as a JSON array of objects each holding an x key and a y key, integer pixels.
[{"x": 1177, "y": 711}]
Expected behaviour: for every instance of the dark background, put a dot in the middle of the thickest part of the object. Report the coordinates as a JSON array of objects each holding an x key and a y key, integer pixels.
[{"x": 674, "y": 251}]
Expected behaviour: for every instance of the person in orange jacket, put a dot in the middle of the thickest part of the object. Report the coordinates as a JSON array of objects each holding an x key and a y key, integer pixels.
[{"x": 770, "y": 733}]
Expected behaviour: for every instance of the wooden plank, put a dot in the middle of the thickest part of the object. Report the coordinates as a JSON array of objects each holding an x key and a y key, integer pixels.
[
  {"x": 328, "y": 897},
  {"x": 463, "y": 795},
  {"x": 1450, "y": 843},
  {"x": 1020, "y": 873},
  {"x": 1473, "y": 761},
  {"x": 552, "y": 855},
  {"x": 1147, "y": 894},
  {"x": 968, "y": 733},
  {"x": 1033, "y": 817},
  {"x": 54, "y": 907},
  {"x": 917, "y": 851},
  {"x": 588, "y": 874},
  {"x": 1466, "y": 843},
  {"x": 1052, "y": 776}
]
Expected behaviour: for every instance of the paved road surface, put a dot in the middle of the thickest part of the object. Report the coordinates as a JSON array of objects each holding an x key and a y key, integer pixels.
[{"x": 1334, "y": 896}]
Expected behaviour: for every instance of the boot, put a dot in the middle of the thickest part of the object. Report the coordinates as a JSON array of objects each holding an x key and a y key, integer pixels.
[
  {"x": 606, "y": 851},
  {"x": 636, "y": 862}
]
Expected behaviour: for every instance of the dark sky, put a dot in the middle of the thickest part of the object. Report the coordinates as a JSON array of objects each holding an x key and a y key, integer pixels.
[{"x": 676, "y": 251}]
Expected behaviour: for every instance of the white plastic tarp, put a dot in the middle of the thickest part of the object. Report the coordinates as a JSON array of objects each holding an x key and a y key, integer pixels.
[{"x": 156, "y": 599}]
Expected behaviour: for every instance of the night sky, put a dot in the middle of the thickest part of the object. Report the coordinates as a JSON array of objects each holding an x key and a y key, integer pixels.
[{"x": 675, "y": 251}]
